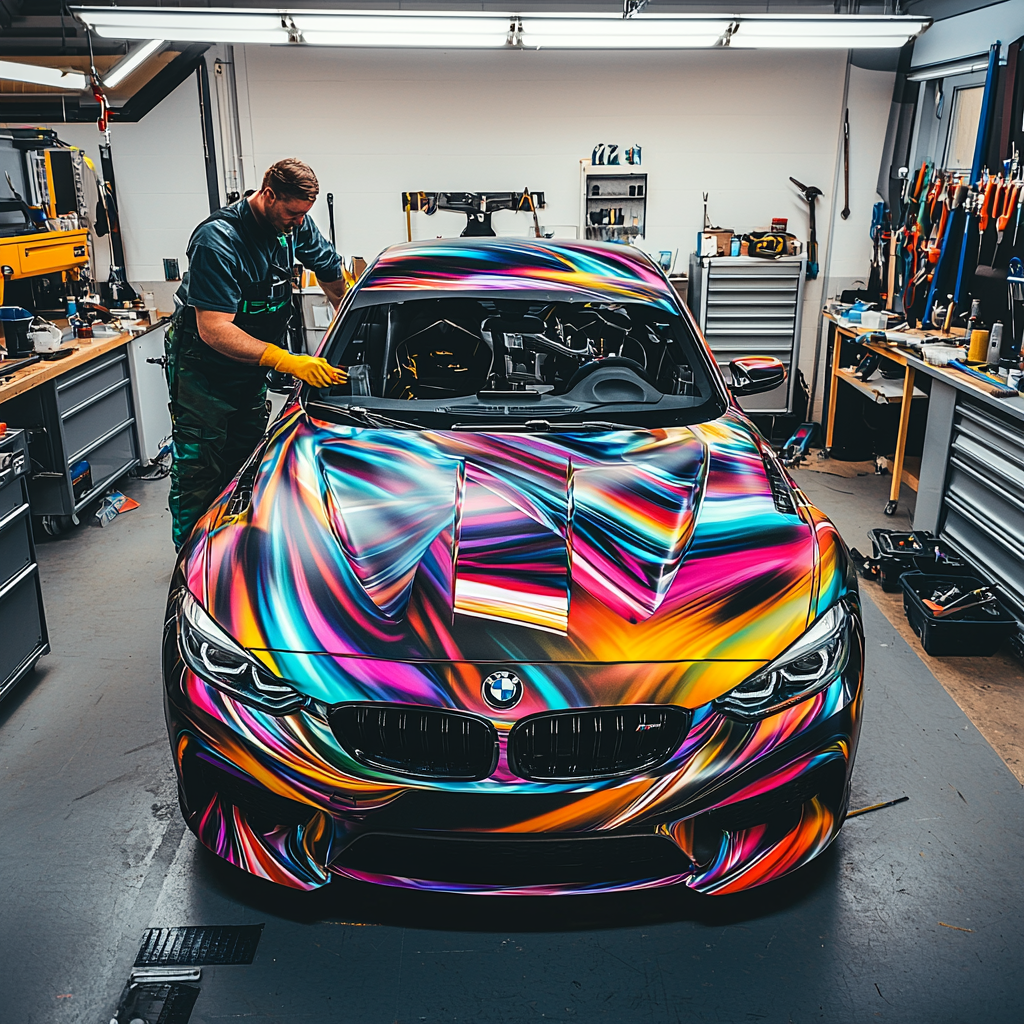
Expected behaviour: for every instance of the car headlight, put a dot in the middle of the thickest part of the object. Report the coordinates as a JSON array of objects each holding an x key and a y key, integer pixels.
[
  {"x": 216, "y": 658},
  {"x": 807, "y": 666}
]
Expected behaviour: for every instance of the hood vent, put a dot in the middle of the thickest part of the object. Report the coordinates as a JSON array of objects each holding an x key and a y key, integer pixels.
[{"x": 782, "y": 491}]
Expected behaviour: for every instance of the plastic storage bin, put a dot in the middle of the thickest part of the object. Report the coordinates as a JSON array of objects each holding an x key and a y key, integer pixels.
[{"x": 978, "y": 631}]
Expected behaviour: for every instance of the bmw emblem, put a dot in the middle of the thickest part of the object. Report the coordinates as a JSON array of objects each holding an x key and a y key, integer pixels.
[{"x": 503, "y": 690}]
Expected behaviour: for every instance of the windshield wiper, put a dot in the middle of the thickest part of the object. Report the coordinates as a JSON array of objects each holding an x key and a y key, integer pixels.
[
  {"x": 546, "y": 426},
  {"x": 363, "y": 415}
]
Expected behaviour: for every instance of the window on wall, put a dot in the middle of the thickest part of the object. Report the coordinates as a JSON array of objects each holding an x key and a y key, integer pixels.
[
  {"x": 964, "y": 119},
  {"x": 948, "y": 114}
]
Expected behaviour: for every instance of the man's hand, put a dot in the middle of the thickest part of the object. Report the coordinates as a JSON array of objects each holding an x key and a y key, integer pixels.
[{"x": 311, "y": 369}]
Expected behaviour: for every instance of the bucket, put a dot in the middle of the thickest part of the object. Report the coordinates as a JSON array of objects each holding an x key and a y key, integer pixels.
[{"x": 15, "y": 321}]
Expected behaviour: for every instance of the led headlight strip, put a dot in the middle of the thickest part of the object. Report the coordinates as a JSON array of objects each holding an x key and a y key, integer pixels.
[
  {"x": 216, "y": 658},
  {"x": 485, "y": 30},
  {"x": 810, "y": 664}
]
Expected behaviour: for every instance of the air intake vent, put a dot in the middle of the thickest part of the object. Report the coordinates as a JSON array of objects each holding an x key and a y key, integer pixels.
[
  {"x": 595, "y": 743},
  {"x": 782, "y": 491},
  {"x": 241, "y": 496},
  {"x": 426, "y": 743}
]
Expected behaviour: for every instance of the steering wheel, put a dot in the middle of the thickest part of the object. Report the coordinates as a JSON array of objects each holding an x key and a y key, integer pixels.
[{"x": 611, "y": 361}]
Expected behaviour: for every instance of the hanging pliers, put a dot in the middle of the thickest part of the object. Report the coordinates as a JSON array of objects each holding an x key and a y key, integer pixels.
[{"x": 1010, "y": 197}]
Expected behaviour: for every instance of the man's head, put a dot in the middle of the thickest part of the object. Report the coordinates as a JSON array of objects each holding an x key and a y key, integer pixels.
[{"x": 288, "y": 191}]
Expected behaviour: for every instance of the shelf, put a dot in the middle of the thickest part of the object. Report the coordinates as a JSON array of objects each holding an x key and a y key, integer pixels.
[
  {"x": 608, "y": 195},
  {"x": 881, "y": 390}
]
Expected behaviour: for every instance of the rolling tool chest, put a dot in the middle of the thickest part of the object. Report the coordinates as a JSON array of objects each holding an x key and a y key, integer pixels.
[
  {"x": 23, "y": 638},
  {"x": 81, "y": 427},
  {"x": 747, "y": 306}
]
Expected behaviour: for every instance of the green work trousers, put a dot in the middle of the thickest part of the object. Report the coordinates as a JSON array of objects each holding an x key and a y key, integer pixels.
[{"x": 218, "y": 416}]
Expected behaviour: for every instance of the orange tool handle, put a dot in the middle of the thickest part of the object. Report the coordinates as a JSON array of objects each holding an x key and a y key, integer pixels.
[
  {"x": 986, "y": 204},
  {"x": 1009, "y": 205}
]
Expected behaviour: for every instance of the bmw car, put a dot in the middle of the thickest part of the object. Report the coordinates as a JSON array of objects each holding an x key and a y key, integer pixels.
[{"x": 526, "y": 606}]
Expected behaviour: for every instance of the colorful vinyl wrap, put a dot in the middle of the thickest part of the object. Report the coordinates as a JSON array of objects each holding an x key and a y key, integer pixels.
[
  {"x": 603, "y": 568},
  {"x": 544, "y": 270}
]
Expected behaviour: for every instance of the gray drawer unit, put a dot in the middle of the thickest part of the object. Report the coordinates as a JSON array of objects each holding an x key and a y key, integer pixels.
[
  {"x": 86, "y": 415},
  {"x": 983, "y": 498},
  {"x": 748, "y": 306},
  {"x": 23, "y": 637}
]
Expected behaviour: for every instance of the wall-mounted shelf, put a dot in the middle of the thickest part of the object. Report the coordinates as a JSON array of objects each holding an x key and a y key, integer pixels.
[{"x": 611, "y": 214}]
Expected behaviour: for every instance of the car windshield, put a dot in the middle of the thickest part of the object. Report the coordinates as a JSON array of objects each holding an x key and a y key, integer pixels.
[{"x": 465, "y": 362}]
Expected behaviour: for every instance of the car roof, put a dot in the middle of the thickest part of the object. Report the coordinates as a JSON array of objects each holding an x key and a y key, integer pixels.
[{"x": 543, "y": 269}]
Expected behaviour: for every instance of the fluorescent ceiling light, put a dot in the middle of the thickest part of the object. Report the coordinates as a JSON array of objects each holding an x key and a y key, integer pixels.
[
  {"x": 34, "y": 75},
  {"x": 826, "y": 31},
  {"x": 402, "y": 28},
  {"x": 611, "y": 31},
  {"x": 188, "y": 25},
  {"x": 479, "y": 29},
  {"x": 132, "y": 60}
]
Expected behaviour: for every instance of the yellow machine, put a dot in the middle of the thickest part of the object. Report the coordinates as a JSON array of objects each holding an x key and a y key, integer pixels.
[{"x": 45, "y": 252}]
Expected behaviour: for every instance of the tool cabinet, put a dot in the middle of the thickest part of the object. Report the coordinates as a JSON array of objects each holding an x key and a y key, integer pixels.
[
  {"x": 972, "y": 482},
  {"x": 84, "y": 414},
  {"x": 23, "y": 637},
  {"x": 749, "y": 306}
]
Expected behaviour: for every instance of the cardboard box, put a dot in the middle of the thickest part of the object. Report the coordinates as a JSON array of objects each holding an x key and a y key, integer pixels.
[{"x": 715, "y": 242}]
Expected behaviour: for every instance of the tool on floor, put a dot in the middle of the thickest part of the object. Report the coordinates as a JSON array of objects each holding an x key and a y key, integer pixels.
[
  {"x": 811, "y": 193},
  {"x": 877, "y": 807},
  {"x": 845, "y": 212},
  {"x": 804, "y": 438}
]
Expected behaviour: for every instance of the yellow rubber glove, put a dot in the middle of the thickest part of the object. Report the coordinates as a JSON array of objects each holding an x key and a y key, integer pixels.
[{"x": 311, "y": 369}]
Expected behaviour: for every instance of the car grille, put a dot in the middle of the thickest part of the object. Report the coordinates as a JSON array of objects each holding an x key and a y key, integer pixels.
[
  {"x": 595, "y": 743},
  {"x": 515, "y": 862},
  {"x": 427, "y": 743}
]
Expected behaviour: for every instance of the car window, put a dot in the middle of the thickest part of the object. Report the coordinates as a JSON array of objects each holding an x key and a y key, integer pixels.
[{"x": 452, "y": 360}]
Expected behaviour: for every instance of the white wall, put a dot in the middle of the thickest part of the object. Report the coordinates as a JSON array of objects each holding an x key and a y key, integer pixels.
[
  {"x": 376, "y": 123},
  {"x": 735, "y": 124}
]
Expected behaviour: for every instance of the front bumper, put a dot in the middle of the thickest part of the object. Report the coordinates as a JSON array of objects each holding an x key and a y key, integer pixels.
[{"x": 737, "y": 805}]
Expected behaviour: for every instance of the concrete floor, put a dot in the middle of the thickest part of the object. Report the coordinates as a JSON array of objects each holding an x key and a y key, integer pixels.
[{"x": 915, "y": 914}]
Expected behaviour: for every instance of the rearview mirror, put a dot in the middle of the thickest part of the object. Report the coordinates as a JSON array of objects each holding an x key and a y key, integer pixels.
[{"x": 752, "y": 375}]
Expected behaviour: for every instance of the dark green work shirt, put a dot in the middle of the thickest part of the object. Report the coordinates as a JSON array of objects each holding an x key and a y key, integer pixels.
[{"x": 219, "y": 267}]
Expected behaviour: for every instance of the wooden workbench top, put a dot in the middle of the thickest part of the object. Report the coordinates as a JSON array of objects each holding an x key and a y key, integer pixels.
[{"x": 32, "y": 376}]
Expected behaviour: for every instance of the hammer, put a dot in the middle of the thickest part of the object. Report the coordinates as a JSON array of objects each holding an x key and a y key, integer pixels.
[{"x": 810, "y": 194}]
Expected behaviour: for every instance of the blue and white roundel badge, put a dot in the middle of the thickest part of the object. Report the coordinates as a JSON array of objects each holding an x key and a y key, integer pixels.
[{"x": 503, "y": 690}]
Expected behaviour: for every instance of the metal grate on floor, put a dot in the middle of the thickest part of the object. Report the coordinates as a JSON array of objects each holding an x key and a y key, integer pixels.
[
  {"x": 158, "y": 1004},
  {"x": 195, "y": 946}
]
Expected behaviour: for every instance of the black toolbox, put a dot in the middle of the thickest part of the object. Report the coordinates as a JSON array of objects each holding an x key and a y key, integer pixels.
[
  {"x": 977, "y": 631},
  {"x": 898, "y": 552}
]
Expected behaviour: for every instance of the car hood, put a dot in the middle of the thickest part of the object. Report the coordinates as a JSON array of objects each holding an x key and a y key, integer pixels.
[{"x": 601, "y": 547}]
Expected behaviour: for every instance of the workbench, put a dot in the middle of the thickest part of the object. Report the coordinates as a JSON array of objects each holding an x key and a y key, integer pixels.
[
  {"x": 970, "y": 490},
  {"x": 882, "y": 391},
  {"x": 74, "y": 410}
]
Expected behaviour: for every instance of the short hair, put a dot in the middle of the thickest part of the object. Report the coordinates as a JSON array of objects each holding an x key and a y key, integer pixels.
[{"x": 292, "y": 179}]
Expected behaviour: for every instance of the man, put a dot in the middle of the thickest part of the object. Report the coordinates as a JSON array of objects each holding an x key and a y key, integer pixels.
[{"x": 236, "y": 301}]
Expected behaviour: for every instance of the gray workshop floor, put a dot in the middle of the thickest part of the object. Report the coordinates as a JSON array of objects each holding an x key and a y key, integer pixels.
[{"x": 915, "y": 915}]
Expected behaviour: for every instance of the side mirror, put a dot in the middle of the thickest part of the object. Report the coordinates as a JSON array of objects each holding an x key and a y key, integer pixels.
[{"x": 751, "y": 375}]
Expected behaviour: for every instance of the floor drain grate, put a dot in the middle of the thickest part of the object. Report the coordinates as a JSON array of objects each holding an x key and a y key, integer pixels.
[
  {"x": 157, "y": 1004},
  {"x": 224, "y": 944}
]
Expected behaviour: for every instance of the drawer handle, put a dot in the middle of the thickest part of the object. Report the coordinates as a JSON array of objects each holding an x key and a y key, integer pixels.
[
  {"x": 102, "y": 365},
  {"x": 19, "y": 578},
  {"x": 93, "y": 399},
  {"x": 12, "y": 515}
]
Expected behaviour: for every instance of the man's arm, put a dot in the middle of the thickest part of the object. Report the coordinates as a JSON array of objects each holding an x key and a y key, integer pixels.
[
  {"x": 219, "y": 332},
  {"x": 334, "y": 290}
]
